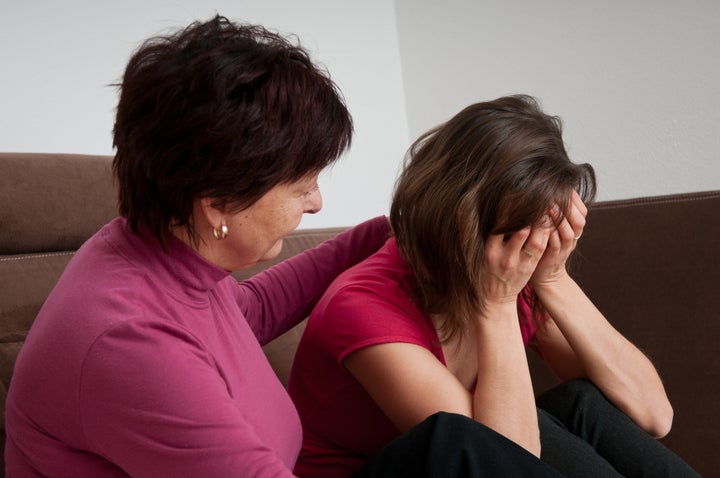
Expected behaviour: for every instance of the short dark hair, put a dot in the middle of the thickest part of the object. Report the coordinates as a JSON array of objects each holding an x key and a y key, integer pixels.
[
  {"x": 494, "y": 168},
  {"x": 220, "y": 110}
]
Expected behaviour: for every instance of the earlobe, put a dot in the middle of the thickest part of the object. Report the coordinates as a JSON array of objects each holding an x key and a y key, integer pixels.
[{"x": 214, "y": 217}]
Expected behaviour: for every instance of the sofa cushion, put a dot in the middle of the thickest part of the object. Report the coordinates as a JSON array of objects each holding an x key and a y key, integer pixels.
[
  {"x": 25, "y": 282},
  {"x": 53, "y": 202}
]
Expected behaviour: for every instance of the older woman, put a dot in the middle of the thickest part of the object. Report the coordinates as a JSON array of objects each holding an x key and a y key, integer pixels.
[
  {"x": 485, "y": 215},
  {"x": 146, "y": 358}
]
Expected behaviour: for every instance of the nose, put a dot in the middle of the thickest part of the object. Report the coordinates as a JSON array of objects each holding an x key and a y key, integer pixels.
[{"x": 313, "y": 202}]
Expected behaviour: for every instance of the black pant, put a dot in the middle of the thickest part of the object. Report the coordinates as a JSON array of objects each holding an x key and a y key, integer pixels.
[
  {"x": 448, "y": 445},
  {"x": 581, "y": 432},
  {"x": 584, "y": 435}
]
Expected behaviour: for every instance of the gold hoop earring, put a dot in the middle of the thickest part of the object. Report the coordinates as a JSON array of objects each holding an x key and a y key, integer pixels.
[{"x": 221, "y": 233}]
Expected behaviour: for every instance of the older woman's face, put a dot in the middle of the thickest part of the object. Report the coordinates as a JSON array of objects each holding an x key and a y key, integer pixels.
[{"x": 256, "y": 233}]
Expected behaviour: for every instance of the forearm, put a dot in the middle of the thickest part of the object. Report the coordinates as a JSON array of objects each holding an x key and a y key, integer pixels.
[
  {"x": 504, "y": 398},
  {"x": 624, "y": 374}
]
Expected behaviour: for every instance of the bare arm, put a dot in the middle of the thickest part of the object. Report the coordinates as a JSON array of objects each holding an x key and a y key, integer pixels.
[
  {"x": 579, "y": 341},
  {"x": 504, "y": 398},
  {"x": 409, "y": 384}
]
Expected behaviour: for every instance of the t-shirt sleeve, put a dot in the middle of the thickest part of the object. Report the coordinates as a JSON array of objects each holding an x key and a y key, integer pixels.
[
  {"x": 525, "y": 314},
  {"x": 355, "y": 318},
  {"x": 154, "y": 403}
]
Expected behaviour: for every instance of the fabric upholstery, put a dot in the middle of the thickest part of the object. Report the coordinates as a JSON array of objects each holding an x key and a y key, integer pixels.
[
  {"x": 53, "y": 202},
  {"x": 651, "y": 265}
]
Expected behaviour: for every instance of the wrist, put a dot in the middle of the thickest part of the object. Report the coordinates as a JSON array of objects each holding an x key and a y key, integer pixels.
[
  {"x": 499, "y": 310},
  {"x": 551, "y": 284},
  {"x": 549, "y": 280}
]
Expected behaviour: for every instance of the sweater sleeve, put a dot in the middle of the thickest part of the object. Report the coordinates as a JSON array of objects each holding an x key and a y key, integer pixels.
[
  {"x": 153, "y": 402},
  {"x": 278, "y": 298}
]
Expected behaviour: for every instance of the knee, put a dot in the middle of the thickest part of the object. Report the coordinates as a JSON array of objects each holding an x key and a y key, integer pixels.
[
  {"x": 580, "y": 385},
  {"x": 581, "y": 389},
  {"x": 571, "y": 397},
  {"x": 459, "y": 430},
  {"x": 452, "y": 421}
]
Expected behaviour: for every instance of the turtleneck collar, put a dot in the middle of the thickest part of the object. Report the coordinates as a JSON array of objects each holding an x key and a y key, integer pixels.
[{"x": 177, "y": 264}]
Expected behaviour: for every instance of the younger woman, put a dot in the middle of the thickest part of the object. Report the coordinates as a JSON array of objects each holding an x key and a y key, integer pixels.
[{"x": 485, "y": 215}]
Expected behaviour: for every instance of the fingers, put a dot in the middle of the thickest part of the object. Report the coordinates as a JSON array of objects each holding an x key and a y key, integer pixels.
[
  {"x": 503, "y": 255},
  {"x": 560, "y": 243},
  {"x": 576, "y": 216},
  {"x": 554, "y": 242},
  {"x": 567, "y": 232},
  {"x": 527, "y": 242},
  {"x": 499, "y": 282},
  {"x": 578, "y": 202},
  {"x": 512, "y": 261},
  {"x": 536, "y": 241},
  {"x": 572, "y": 224},
  {"x": 517, "y": 239}
]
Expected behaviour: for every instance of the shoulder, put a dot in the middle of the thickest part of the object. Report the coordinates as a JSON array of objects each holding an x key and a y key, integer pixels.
[
  {"x": 368, "y": 305},
  {"x": 380, "y": 279},
  {"x": 369, "y": 294},
  {"x": 141, "y": 354},
  {"x": 134, "y": 342}
]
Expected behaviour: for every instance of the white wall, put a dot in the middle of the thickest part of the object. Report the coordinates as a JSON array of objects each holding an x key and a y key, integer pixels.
[
  {"x": 58, "y": 58},
  {"x": 637, "y": 82}
]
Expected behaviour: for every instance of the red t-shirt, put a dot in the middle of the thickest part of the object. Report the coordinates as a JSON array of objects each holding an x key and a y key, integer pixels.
[{"x": 367, "y": 305}]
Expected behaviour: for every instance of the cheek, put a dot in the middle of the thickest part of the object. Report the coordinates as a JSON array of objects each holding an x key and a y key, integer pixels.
[
  {"x": 292, "y": 223},
  {"x": 294, "y": 213}
]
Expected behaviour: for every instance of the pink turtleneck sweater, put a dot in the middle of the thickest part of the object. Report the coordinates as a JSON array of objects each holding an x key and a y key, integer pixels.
[{"x": 148, "y": 363}]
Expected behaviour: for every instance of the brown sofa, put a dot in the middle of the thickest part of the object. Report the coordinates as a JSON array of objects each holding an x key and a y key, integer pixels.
[{"x": 650, "y": 264}]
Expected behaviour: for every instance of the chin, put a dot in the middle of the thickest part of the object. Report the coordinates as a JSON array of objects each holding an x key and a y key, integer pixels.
[{"x": 273, "y": 252}]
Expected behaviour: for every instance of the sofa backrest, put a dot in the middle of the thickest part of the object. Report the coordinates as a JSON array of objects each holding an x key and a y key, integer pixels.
[
  {"x": 49, "y": 205},
  {"x": 651, "y": 266}
]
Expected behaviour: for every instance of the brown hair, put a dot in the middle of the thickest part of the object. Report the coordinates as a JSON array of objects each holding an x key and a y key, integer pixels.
[
  {"x": 494, "y": 168},
  {"x": 220, "y": 110}
]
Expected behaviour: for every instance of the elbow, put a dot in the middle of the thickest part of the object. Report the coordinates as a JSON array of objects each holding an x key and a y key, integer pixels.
[
  {"x": 534, "y": 446},
  {"x": 664, "y": 424},
  {"x": 529, "y": 441},
  {"x": 661, "y": 423},
  {"x": 654, "y": 418},
  {"x": 536, "y": 451}
]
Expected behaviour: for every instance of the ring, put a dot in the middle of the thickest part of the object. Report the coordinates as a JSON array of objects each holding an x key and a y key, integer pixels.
[{"x": 527, "y": 252}]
